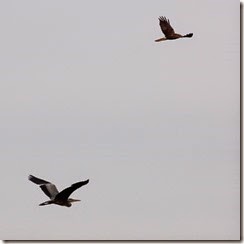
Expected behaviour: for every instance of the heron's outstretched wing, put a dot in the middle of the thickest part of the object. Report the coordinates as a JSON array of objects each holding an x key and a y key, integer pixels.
[
  {"x": 47, "y": 187},
  {"x": 37, "y": 180},
  {"x": 50, "y": 190},
  {"x": 64, "y": 194},
  {"x": 165, "y": 26}
]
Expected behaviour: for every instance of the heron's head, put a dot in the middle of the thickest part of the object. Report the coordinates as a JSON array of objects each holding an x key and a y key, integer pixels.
[
  {"x": 70, "y": 201},
  {"x": 73, "y": 200}
]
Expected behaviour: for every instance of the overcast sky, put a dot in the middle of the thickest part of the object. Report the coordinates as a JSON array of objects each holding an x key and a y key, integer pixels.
[{"x": 86, "y": 93}]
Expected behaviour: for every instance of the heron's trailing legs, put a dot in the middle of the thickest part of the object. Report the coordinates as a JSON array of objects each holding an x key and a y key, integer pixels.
[{"x": 46, "y": 203}]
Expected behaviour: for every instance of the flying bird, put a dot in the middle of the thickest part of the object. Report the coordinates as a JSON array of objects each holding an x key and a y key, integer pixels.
[
  {"x": 169, "y": 31},
  {"x": 56, "y": 197}
]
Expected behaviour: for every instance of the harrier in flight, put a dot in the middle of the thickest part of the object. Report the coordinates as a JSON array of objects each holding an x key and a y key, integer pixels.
[
  {"x": 59, "y": 198},
  {"x": 169, "y": 31}
]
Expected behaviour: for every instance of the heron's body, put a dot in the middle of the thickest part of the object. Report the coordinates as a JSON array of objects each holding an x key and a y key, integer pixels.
[
  {"x": 169, "y": 31},
  {"x": 56, "y": 197},
  {"x": 67, "y": 203}
]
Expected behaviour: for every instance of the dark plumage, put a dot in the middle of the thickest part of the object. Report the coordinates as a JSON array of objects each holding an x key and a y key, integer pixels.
[
  {"x": 169, "y": 31},
  {"x": 60, "y": 198}
]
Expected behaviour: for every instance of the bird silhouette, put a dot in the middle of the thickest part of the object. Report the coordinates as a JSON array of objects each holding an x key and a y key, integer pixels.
[
  {"x": 59, "y": 198},
  {"x": 169, "y": 31}
]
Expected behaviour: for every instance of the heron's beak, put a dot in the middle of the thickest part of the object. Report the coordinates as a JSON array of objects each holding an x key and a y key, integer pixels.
[{"x": 74, "y": 200}]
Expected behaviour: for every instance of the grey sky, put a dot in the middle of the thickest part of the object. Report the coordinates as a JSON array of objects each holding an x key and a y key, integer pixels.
[{"x": 87, "y": 93}]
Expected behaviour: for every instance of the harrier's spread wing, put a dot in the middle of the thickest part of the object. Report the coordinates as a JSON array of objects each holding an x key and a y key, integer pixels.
[{"x": 165, "y": 26}]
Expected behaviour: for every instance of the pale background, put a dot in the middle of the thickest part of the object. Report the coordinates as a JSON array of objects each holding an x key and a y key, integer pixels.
[{"x": 87, "y": 93}]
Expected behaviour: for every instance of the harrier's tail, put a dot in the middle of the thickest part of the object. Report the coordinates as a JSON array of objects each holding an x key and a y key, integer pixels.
[{"x": 188, "y": 35}]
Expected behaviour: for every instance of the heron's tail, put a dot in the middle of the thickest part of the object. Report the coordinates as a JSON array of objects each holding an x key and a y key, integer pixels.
[{"x": 188, "y": 35}]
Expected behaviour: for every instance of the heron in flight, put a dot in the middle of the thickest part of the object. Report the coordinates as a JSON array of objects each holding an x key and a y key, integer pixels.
[
  {"x": 169, "y": 31},
  {"x": 59, "y": 198}
]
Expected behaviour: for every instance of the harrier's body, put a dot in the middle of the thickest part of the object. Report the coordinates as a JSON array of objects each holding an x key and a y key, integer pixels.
[
  {"x": 56, "y": 197},
  {"x": 169, "y": 31}
]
